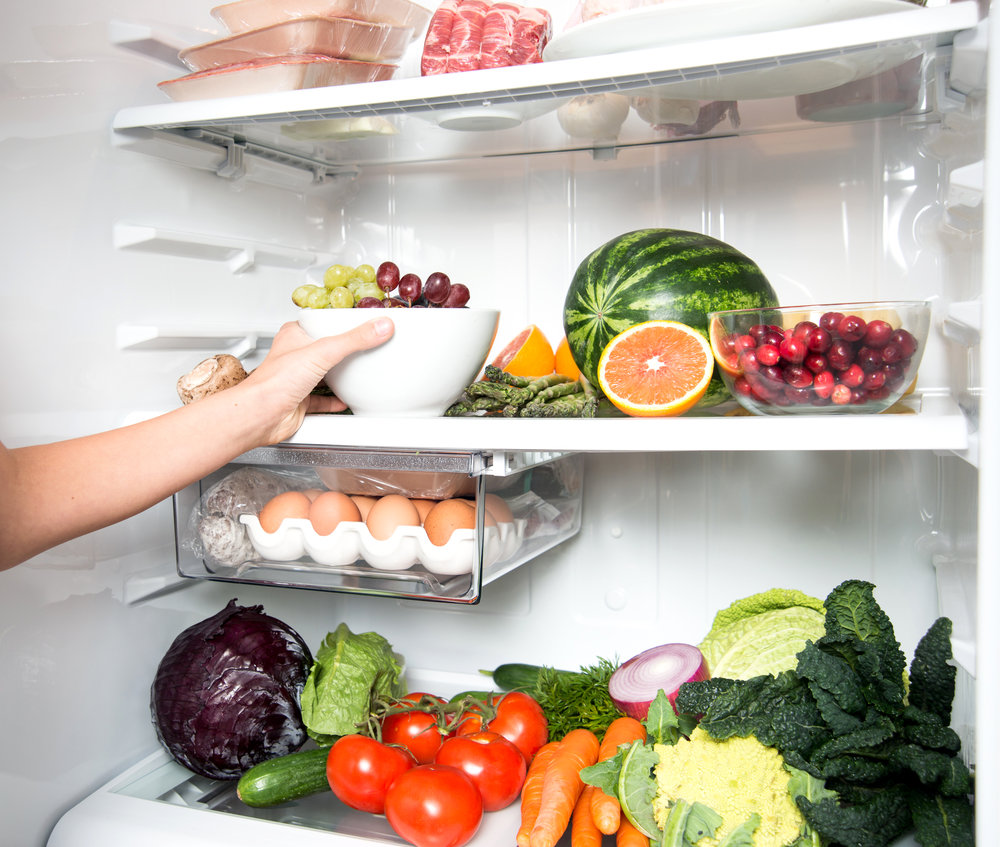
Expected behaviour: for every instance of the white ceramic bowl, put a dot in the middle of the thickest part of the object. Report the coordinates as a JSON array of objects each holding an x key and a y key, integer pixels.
[{"x": 430, "y": 359}]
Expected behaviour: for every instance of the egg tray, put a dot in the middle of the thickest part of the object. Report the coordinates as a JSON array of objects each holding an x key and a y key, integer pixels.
[{"x": 407, "y": 547}]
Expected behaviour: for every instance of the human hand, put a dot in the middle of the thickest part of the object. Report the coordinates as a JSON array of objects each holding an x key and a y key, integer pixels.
[{"x": 294, "y": 366}]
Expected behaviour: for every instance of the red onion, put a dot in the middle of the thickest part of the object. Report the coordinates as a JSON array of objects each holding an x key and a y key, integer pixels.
[{"x": 634, "y": 685}]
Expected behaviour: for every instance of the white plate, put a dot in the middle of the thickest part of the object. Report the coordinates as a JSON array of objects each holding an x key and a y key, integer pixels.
[{"x": 677, "y": 21}]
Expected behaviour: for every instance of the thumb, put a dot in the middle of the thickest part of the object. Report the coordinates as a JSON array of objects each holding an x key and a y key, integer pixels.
[{"x": 330, "y": 350}]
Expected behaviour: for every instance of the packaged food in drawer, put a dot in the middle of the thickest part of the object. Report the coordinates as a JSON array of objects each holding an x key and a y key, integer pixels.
[
  {"x": 431, "y": 533},
  {"x": 252, "y": 14}
]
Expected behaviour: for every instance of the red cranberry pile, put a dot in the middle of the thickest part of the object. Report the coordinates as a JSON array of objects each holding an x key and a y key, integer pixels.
[
  {"x": 436, "y": 290},
  {"x": 839, "y": 361}
]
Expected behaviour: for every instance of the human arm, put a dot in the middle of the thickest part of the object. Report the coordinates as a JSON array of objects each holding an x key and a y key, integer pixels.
[{"x": 50, "y": 493}]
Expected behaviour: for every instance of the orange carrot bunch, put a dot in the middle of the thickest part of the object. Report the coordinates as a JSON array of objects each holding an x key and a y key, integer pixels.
[{"x": 554, "y": 796}]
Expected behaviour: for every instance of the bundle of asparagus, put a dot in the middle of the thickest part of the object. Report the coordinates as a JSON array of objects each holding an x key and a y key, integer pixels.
[{"x": 501, "y": 393}]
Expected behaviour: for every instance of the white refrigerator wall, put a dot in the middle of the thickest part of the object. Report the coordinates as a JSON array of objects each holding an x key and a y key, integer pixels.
[{"x": 830, "y": 213}]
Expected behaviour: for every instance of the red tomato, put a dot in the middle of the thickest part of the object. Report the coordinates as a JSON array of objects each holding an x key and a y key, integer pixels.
[
  {"x": 434, "y": 806},
  {"x": 493, "y": 763},
  {"x": 361, "y": 769},
  {"x": 519, "y": 719},
  {"x": 417, "y": 731}
]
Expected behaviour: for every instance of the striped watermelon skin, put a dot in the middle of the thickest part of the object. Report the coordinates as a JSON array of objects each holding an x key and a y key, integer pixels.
[{"x": 657, "y": 274}]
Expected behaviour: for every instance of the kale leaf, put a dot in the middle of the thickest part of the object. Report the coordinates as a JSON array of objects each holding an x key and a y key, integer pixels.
[{"x": 844, "y": 715}]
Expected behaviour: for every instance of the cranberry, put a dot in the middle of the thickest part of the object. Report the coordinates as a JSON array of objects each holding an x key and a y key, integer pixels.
[
  {"x": 873, "y": 380},
  {"x": 869, "y": 358},
  {"x": 892, "y": 353},
  {"x": 894, "y": 374},
  {"x": 793, "y": 350},
  {"x": 742, "y": 387},
  {"x": 830, "y": 320},
  {"x": 758, "y": 332},
  {"x": 906, "y": 342},
  {"x": 741, "y": 343},
  {"x": 798, "y": 376},
  {"x": 816, "y": 362},
  {"x": 878, "y": 333},
  {"x": 772, "y": 374},
  {"x": 879, "y": 394},
  {"x": 797, "y": 396},
  {"x": 851, "y": 328},
  {"x": 804, "y": 329},
  {"x": 767, "y": 355},
  {"x": 774, "y": 335},
  {"x": 841, "y": 395},
  {"x": 858, "y": 396},
  {"x": 823, "y": 384},
  {"x": 853, "y": 376},
  {"x": 748, "y": 362},
  {"x": 840, "y": 355},
  {"x": 819, "y": 341}
]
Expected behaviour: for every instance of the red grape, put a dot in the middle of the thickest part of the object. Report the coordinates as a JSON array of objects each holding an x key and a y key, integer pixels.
[
  {"x": 458, "y": 296},
  {"x": 437, "y": 286},
  {"x": 368, "y": 303},
  {"x": 409, "y": 288},
  {"x": 387, "y": 276}
]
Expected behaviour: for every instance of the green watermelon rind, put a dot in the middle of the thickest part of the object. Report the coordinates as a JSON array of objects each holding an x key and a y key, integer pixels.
[{"x": 653, "y": 264}]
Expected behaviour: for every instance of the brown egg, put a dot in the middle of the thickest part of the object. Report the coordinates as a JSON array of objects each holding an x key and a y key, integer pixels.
[
  {"x": 289, "y": 504},
  {"x": 497, "y": 506},
  {"x": 423, "y": 507},
  {"x": 446, "y": 517},
  {"x": 364, "y": 504},
  {"x": 329, "y": 509},
  {"x": 389, "y": 512}
]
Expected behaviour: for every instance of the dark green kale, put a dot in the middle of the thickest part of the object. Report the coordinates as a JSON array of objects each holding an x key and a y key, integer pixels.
[{"x": 844, "y": 715}]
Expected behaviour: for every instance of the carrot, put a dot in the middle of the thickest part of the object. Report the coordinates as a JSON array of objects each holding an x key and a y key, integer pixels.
[
  {"x": 531, "y": 791},
  {"x": 605, "y": 809},
  {"x": 583, "y": 832},
  {"x": 628, "y": 836},
  {"x": 562, "y": 786}
]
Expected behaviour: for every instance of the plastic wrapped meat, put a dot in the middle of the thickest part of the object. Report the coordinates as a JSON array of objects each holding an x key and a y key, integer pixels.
[{"x": 466, "y": 35}]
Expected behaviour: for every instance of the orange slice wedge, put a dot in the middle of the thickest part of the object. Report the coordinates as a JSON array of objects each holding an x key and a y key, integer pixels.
[
  {"x": 528, "y": 354},
  {"x": 656, "y": 369},
  {"x": 565, "y": 364}
]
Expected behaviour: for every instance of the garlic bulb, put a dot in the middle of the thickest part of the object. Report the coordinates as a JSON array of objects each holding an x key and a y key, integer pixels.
[{"x": 595, "y": 116}]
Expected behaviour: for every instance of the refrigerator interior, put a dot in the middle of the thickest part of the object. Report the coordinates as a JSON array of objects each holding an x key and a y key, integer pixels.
[{"x": 124, "y": 270}]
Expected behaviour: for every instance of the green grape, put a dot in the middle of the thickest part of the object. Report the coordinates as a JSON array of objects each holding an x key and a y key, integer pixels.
[
  {"x": 369, "y": 289},
  {"x": 353, "y": 284},
  {"x": 300, "y": 295},
  {"x": 318, "y": 299},
  {"x": 366, "y": 272},
  {"x": 337, "y": 275},
  {"x": 341, "y": 298}
]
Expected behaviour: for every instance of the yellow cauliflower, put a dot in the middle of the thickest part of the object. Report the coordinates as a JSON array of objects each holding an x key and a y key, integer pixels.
[{"x": 735, "y": 778}]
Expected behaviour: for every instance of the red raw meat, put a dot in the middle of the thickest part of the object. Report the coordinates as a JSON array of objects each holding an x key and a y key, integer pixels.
[
  {"x": 434, "y": 59},
  {"x": 465, "y": 35}
]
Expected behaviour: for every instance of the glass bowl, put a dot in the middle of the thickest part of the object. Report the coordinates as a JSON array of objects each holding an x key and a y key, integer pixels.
[{"x": 837, "y": 358}]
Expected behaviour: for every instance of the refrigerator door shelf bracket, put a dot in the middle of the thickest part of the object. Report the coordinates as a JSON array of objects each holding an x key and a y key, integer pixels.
[
  {"x": 238, "y": 343},
  {"x": 239, "y": 254}
]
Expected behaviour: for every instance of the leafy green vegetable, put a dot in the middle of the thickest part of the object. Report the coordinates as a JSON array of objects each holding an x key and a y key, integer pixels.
[
  {"x": 742, "y": 836},
  {"x": 687, "y": 823},
  {"x": 762, "y": 633},
  {"x": 349, "y": 672},
  {"x": 572, "y": 699},
  {"x": 842, "y": 716}
]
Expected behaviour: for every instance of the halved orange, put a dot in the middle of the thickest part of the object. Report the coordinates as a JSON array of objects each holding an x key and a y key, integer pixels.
[
  {"x": 565, "y": 364},
  {"x": 528, "y": 354},
  {"x": 656, "y": 369}
]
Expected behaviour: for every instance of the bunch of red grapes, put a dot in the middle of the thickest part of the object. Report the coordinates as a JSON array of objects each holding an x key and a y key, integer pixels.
[
  {"x": 408, "y": 290},
  {"x": 842, "y": 360}
]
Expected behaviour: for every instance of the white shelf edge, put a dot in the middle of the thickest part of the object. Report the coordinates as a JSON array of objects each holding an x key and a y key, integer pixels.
[
  {"x": 235, "y": 341},
  {"x": 559, "y": 78},
  {"x": 939, "y": 425},
  {"x": 240, "y": 255}
]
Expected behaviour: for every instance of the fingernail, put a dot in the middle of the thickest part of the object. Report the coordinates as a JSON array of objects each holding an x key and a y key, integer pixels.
[{"x": 382, "y": 326}]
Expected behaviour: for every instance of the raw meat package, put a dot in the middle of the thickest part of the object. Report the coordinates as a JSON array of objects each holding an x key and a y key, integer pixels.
[
  {"x": 339, "y": 38},
  {"x": 280, "y": 73},
  {"x": 467, "y": 35},
  {"x": 253, "y": 14}
]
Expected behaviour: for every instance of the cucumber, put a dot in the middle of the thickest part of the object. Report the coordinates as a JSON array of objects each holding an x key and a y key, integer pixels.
[
  {"x": 285, "y": 778},
  {"x": 516, "y": 676}
]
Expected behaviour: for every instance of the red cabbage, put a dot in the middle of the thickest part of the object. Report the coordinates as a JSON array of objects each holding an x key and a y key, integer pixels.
[{"x": 226, "y": 694}]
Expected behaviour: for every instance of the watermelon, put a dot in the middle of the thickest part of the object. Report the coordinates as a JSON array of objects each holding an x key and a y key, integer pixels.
[{"x": 657, "y": 274}]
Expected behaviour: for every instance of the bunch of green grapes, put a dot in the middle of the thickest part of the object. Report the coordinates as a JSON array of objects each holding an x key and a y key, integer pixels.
[{"x": 343, "y": 288}]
